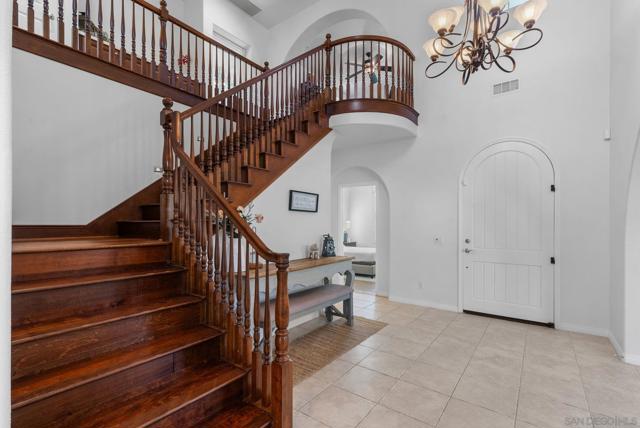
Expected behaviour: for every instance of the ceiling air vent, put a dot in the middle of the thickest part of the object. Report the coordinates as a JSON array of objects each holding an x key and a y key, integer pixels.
[{"x": 504, "y": 87}]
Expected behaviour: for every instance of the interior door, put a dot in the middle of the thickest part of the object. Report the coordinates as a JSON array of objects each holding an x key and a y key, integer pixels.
[{"x": 508, "y": 233}]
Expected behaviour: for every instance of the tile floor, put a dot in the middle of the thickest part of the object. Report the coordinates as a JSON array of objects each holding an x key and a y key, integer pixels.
[{"x": 431, "y": 368}]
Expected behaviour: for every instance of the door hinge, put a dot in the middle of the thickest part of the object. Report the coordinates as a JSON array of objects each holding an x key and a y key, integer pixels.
[
  {"x": 553, "y": 187},
  {"x": 553, "y": 260}
]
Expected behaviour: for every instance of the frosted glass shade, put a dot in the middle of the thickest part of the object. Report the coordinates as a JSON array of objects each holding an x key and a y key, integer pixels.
[
  {"x": 459, "y": 11},
  {"x": 528, "y": 13},
  {"x": 494, "y": 6},
  {"x": 434, "y": 48},
  {"x": 442, "y": 20},
  {"x": 509, "y": 39}
]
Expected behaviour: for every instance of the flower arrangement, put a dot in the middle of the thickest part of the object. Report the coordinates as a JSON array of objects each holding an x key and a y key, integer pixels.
[{"x": 246, "y": 213}]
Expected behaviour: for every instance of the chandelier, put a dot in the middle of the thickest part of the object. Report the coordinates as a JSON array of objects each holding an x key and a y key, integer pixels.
[{"x": 484, "y": 42}]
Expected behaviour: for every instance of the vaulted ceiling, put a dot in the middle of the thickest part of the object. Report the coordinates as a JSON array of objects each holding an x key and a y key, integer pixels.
[{"x": 272, "y": 12}]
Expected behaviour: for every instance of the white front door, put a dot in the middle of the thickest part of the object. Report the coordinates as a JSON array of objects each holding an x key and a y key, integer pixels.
[{"x": 507, "y": 239}]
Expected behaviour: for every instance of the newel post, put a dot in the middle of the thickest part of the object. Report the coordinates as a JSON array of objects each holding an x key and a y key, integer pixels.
[
  {"x": 167, "y": 196},
  {"x": 327, "y": 69},
  {"x": 163, "y": 70},
  {"x": 282, "y": 368}
]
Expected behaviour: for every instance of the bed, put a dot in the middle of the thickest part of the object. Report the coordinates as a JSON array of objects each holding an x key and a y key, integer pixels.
[{"x": 364, "y": 262}]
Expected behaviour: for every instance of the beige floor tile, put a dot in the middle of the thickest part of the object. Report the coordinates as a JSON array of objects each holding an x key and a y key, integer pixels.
[
  {"x": 523, "y": 424},
  {"x": 410, "y": 310},
  {"x": 434, "y": 326},
  {"x": 449, "y": 353},
  {"x": 609, "y": 372},
  {"x": 460, "y": 414},
  {"x": 558, "y": 365},
  {"x": 403, "y": 348},
  {"x": 471, "y": 321},
  {"x": 432, "y": 377},
  {"x": 355, "y": 355},
  {"x": 300, "y": 420},
  {"x": 394, "y": 318},
  {"x": 416, "y": 402},
  {"x": 554, "y": 388},
  {"x": 437, "y": 314},
  {"x": 367, "y": 313},
  {"x": 612, "y": 400},
  {"x": 383, "y": 417},
  {"x": 385, "y": 363},
  {"x": 501, "y": 397},
  {"x": 307, "y": 390},
  {"x": 384, "y": 305},
  {"x": 333, "y": 371},
  {"x": 375, "y": 341},
  {"x": 543, "y": 412},
  {"x": 409, "y": 333},
  {"x": 471, "y": 336},
  {"x": 338, "y": 408},
  {"x": 366, "y": 383}
]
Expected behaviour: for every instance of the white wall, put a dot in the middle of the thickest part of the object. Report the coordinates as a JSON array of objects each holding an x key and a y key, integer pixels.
[
  {"x": 563, "y": 106},
  {"x": 5, "y": 214},
  {"x": 82, "y": 143},
  {"x": 359, "y": 207},
  {"x": 290, "y": 231},
  {"x": 625, "y": 124}
]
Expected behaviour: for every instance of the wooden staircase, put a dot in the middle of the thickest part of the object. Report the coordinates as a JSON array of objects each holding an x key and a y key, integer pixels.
[{"x": 105, "y": 335}]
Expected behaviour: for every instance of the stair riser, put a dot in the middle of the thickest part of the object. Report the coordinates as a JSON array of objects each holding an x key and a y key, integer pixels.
[
  {"x": 204, "y": 408},
  {"x": 54, "y": 411},
  {"x": 139, "y": 230},
  {"x": 150, "y": 212},
  {"x": 50, "y": 352},
  {"x": 29, "y": 308},
  {"x": 58, "y": 263}
]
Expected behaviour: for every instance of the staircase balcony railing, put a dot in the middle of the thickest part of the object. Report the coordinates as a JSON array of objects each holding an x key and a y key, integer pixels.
[{"x": 220, "y": 141}]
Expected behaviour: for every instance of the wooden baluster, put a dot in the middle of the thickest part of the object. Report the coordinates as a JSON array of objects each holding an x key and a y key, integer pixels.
[
  {"x": 230, "y": 322},
  {"x": 123, "y": 50},
  {"x": 172, "y": 72},
  {"x": 209, "y": 156},
  {"x": 216, "y": 159},
  {"x": 180, "y": 55},
  {"x": 163, "y": 70},
  {"x": 197, "y": 244},
  {"x": 210, "y": 87},
  {"x": 386, "y": 64},
  {"x": 188, "y": 58},
  {"x": 46, "y": 31},
  {"x": 112, "y": 37},
  {"x": 15, "y": 13},
  {"x": 375, "y": 68},
  {"x": 152, "y": 65},
  {"x": 194, "y": 82},
  {"x": 266, "y": 354},
  {"x": 217, "y": 76},
  {"x": 30, "y": 17},
  {"x": 239, "y": 324},
  {"x": 348, "y": 72},
  {"x": 166, "y": 197},
  {"x": 379, "y": 85},
  {"x": 100, "y": 31},
  {"x": 224, "y": 307},
  {"x": 134, "y": 57},
  {"x": 364, "y": 74},
  {"x": 217, "y": 276},
  {"x": 203, "y": 84},
  {"x": 210, "y": 217},
  {"x": 74, "y": 24},
  {"x": 282, "y": 395},
  {"x": 87, "y": 27},
  {"x": 60, "y": 21},
  {"x": 247, "y": 307},
  {"x": 175, "y": 247},
  {"x": 256, "y": 357},
  {"x": 143, "y": 41}
]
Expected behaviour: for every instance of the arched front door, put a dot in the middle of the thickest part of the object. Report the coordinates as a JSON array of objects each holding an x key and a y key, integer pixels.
[{"x": 508, "y": 227}]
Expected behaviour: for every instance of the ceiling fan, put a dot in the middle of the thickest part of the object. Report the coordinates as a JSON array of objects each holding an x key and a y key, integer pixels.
[{"x": 371, "y": 66}]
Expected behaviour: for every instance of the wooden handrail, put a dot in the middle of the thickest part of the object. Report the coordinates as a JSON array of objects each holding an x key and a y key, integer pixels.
[{"x": 367, "y": 38}]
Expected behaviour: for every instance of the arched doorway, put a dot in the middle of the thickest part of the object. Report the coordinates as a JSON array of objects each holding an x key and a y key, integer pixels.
[
  {"x": 507, "y": 229},
  {"x": 366, "y": 182}
]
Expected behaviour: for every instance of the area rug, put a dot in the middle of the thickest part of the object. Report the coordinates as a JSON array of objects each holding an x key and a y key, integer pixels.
[{"x": 315, "y": 350}]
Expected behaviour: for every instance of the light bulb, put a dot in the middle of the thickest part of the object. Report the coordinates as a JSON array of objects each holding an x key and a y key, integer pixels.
[
  {"x": 442, "y": 20},
  {"x": 459, "y": 11},
  {"x": 492, "y": 6},
  {"x": 509, "y": 40},
  {"x": 528, "y": 13}
]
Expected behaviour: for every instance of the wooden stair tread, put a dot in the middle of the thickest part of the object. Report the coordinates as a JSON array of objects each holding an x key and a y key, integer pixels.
[
  {"x": 181, "y": 389},
  {"x": 35, "y": 388},
  {"x": 85, "y": 243},
  {"x": 46, "y": 329},
  {"x": 74, "y": 281},
  {"x": 239, "y": 416}
]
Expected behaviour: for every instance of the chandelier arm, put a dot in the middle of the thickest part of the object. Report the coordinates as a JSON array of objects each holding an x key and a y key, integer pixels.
[
  {"x": 511, "y": 60},
  {"x": 426, "y": 71},
  {"x": 491, "y": 54},
  {"x": 536, "y": 30}
]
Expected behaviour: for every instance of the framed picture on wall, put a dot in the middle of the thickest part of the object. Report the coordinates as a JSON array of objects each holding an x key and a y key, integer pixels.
[{"x": 303, "y": 201}]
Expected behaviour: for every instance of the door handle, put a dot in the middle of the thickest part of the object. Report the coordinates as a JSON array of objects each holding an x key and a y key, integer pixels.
[{"x": 468, "y": 251}]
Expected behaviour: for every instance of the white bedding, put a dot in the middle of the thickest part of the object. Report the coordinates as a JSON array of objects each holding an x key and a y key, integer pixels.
[{"x": 361, "y": 254}]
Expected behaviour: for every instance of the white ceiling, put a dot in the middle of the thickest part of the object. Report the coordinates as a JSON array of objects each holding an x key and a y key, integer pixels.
[{"x": 272, "y": 12}]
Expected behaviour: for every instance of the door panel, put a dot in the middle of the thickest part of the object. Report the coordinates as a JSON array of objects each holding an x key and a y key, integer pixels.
[{"x": 508, "y": 233}]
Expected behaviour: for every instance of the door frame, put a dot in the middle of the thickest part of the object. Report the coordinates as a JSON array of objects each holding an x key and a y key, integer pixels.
[{"x": 556, "y": 221}]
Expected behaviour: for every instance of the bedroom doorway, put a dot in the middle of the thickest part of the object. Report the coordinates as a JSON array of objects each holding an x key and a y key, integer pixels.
[{"x": 359, "y": 233}]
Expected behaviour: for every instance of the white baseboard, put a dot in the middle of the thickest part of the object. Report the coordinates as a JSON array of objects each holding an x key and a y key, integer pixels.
[
  {"x": 632, "y": 359},
  {"x": 594, "y": 331},
  {"x": 615, "y": 344},
  {"x": 423, "y": 303}
]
